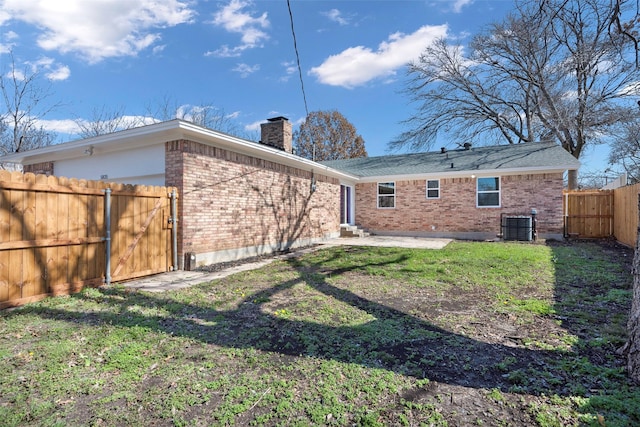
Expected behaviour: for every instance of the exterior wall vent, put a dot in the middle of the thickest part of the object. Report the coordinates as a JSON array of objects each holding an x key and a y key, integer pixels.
[{"x": 517, "y": 228}]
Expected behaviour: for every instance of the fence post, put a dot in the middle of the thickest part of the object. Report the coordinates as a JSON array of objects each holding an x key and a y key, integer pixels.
[
  {"x": 107, "y": 239},
  {"x": 174, "y": 229}
]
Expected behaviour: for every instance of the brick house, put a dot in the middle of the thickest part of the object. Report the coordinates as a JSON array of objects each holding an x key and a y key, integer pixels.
[
  {"x": 466, "y": 193},
  {"x": 239, "y": 198}
]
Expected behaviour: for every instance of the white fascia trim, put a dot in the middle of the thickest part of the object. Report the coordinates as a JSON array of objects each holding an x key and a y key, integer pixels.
[
  {"x": 464, "y": 174},
  {"x": 258, "y": 150}
]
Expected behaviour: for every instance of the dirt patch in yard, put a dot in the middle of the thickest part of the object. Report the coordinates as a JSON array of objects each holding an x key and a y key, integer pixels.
[{"x": 486, "y": 364}]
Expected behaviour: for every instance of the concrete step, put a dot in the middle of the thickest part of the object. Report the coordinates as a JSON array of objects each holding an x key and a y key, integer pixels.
[{"x": 352, "y": 231}]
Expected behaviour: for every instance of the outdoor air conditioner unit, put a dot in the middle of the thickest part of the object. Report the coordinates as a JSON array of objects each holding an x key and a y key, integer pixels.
[{"x": 517, "y": 228}]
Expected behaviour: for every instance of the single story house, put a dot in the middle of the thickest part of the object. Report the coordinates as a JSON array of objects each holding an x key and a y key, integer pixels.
[
  {"x": 465, "y": 193},
  {"x": 239, "y": 198}
]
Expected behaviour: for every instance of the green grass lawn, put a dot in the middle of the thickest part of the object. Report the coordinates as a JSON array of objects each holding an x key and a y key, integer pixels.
[{"x": 474, "y": 334}]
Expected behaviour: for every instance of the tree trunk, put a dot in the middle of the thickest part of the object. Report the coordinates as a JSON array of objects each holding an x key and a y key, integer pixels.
[
  {"x": 632, "y": 348},
  {"x": 572, "y": 178}
]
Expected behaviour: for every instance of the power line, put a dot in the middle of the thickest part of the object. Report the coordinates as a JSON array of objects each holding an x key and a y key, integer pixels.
[{"x": 295, "y": 47}]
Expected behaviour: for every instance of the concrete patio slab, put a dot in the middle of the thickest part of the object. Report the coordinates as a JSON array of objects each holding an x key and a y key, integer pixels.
[
  {"x": 182, "y": 279},
  {"x": 392, "y": 242}
]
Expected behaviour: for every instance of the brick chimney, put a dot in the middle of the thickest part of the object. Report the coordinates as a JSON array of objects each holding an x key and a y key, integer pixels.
[{"x": 277, "y": 132}]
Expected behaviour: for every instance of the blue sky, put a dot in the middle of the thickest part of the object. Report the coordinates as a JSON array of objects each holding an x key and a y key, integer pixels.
[{"x": 237, "y": 55}]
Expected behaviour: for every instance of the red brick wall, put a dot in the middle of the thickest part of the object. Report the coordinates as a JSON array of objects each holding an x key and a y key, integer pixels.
[
  {"x": 456, "y": 212},
  {"x": 45, "y": 168},
  {"x": 231, "y": 202}
]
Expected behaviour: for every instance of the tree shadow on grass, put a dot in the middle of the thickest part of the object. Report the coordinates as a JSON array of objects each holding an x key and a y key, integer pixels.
[{"x": 390, "y": 339}]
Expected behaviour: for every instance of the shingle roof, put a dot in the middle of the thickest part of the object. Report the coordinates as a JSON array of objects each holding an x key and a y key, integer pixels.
[{"x": 531, "y": 156}]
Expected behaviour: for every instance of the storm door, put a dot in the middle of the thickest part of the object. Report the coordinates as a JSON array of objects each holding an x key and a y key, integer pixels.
[{"x": 346, "y": 207}]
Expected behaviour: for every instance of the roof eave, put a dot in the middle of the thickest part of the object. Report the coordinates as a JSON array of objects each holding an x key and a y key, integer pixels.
[
  {"x": 159, "y": 133},
  {"x": 255, "y": 149},
  {"x": 136, "y": 137},
  {"x": 468, "y": 173}
]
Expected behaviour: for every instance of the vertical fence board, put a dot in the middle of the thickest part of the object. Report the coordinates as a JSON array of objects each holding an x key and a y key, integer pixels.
[
  {"x": 155, "y": 245},
  {"x": 99, "y": 249},
  {"x": 92, "y": 230},
  {"x": 83, "y": 225},
  {"x": 73, "y": 230},
  {"x": 41, "y": 232},
  {"x": 5, "y": 223},
  {"x": 62, "y": 258},
  {"x": 118, "y": 229},
  {"x": 54, "y": 273},
  {"x": 139, "y": 210},
  {"x": 125, "y": 231},
  {"x": 15, "y": 235},
  {"x": 29, "y": 279}
]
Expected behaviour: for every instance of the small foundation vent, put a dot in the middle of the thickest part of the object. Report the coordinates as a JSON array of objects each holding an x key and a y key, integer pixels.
[{"x": 517, "y": 228}]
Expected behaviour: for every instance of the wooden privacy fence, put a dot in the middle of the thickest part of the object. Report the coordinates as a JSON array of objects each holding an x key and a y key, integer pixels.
[
  {"x": 625, "y": 222},
  {"x": 588, "y": 214},
  {"x": 603, "y": 214},
  {"x": 58, "y": 235}
]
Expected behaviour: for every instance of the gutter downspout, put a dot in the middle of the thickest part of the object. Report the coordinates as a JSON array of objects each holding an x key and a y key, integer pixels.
[
  {"x": 174, "y": 228},
  {"x": 107, "y": 239}
]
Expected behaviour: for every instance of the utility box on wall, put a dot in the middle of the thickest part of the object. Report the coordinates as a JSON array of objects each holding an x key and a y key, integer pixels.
[{"x": 189, "y": 261}]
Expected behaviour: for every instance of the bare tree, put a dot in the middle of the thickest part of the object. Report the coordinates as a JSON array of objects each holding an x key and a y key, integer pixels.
[
  {"x": 104, "y": 121},
  {"x": 553, "y": 70},
  {"x": 625, "y": 150},
  {"x": 204, "y": 114},
  {"x": 631, "y": 349},
  {"x": 24, "y": 105},
  {"x": 328, "y": 135}
]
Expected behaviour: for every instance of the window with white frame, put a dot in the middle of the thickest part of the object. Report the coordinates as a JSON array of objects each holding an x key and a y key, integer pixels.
[
  {"x": 386, "y": 195},
  {"x": 433, "y": 189},
  {"x": 488, "y": 192}
]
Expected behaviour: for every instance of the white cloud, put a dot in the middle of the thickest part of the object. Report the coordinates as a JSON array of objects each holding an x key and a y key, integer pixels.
[
  {"x": 4, "y": 16},
  {"x": 254, "y": 126},
  {"x": 98, "y": 30},
  {"x": 234, "y": 19},
  {"x": 245, "y": 70},
  {"x": 50, "y": 69},
  {"x": 61, "y": 72},
  {"x": 227, "y": 52},
  {"x": 289, "y": 69},
  {"x": 74, "y": 127},
  {"x": 8, "y": 37},
  {"x": 336, "y": 16},
  {"x": 158, "y": 49},
  {"x": 358, "y": 65},
  {"x": 65, "y": 126},
  {"x": 16, "y": 73},
  {"x": 459, "y": 4}
]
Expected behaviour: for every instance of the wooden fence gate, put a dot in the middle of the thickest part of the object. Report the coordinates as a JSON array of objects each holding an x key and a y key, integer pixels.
[
  {"x": 588, "y": 214},
  {"x": 54, "y": 237},
  {"x": 603, "y": 214}
]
